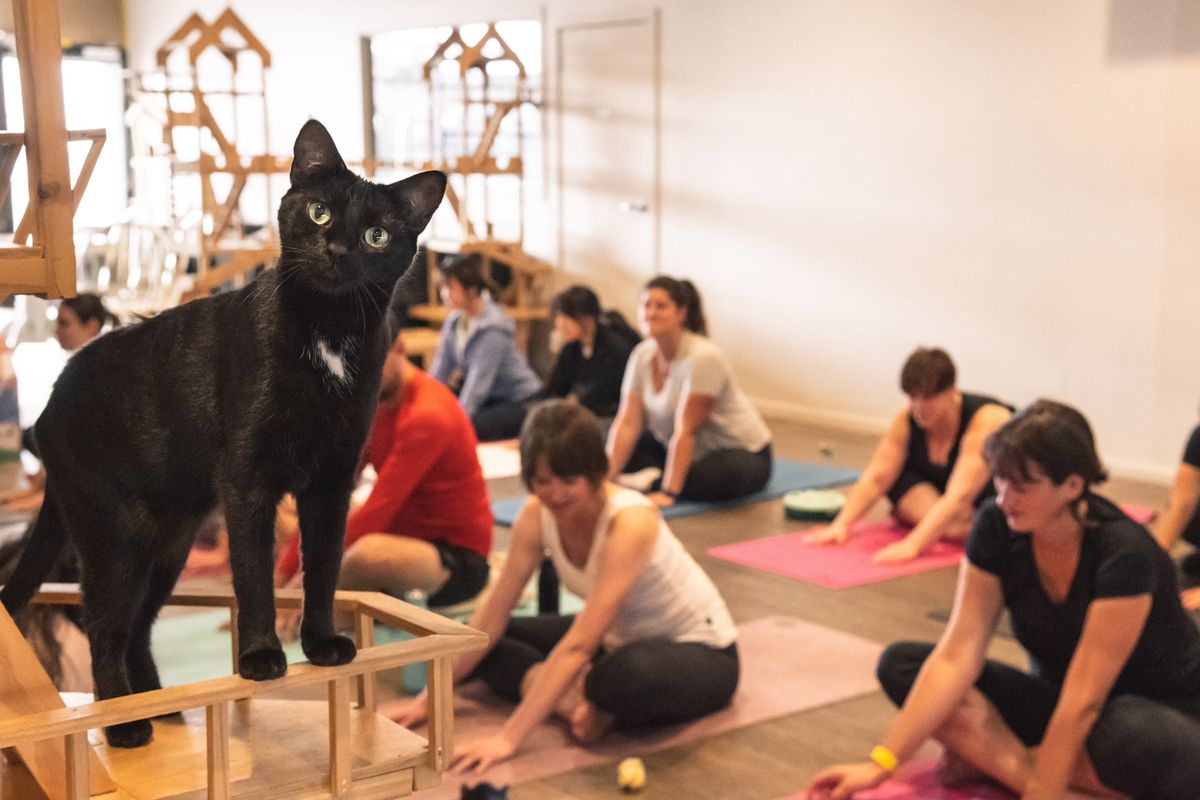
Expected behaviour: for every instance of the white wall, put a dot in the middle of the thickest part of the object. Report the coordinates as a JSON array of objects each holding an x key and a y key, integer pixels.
[{"x": 1016, "y": 181}]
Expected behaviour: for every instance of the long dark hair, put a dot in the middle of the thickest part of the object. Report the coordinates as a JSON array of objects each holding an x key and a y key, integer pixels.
[
  {"x": 88, "y": 306},
  {"x": 1051, "y": 435},
  {"x": 684, "y": 295},
  {"x": 579, "y": 303}
]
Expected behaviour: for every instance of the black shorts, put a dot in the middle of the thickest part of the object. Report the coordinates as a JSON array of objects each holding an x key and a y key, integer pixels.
[
  {"x": 468, "y": 575},
  {"x": 910, "y": 478}
]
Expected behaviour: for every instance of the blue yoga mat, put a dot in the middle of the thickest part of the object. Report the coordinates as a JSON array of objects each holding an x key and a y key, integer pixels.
[{"x": 786, "y": 476}]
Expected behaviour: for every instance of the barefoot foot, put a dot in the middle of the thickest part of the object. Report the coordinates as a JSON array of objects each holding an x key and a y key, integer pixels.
[{"x": 589, "y": 724}]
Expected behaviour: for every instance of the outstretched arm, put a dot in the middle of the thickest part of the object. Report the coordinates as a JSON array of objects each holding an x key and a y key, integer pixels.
[
  {"x": 1181, "y": 508},
  {"x": 967, "y": 479},
  {"x": 882, "y": 471},
  {"x": 624, "y": 433},
  {"x": 626, "y": 551},
  {"x": 951, "y": 669},
  {"x": 694, "y": 413},
  {"x": 524, "y": 557},
  {"x": 1110, "y": 632}
]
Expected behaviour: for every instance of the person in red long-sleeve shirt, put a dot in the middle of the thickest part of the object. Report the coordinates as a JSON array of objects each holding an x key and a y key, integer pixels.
[{"x": 427, "y": 523}]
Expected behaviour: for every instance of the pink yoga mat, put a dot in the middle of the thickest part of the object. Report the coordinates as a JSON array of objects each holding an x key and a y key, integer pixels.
[
  {"x": 918, "y": 781},
  {"x": 841, "y": 566},
  {"x": 788, "y": 665},
  {"x": 836, "y": 566},
  {"x": 1139, "y": 514}
]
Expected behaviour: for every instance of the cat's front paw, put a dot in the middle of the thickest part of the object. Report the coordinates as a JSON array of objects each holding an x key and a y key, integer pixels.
[
  {"x": 129, "y": 734},
  {"x": 330, "y": 651},
  {"x": 262, "y": 664}
]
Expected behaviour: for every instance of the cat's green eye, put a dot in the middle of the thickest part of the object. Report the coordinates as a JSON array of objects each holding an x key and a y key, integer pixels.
[
  {"x": 376, "y": 237},
  {"x": 319, "y": 213}
]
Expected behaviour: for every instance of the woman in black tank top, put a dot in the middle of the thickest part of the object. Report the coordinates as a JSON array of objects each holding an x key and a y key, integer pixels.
[{"x": 929, "y": 463}]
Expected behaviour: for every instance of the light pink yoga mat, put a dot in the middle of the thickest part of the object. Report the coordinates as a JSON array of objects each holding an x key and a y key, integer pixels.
[
  {"x": 836, "y": 566},
  {"x": 1139, "y": 514},
  {"x": 918, "y": 781},
  {"x": 787, "y": 665}
]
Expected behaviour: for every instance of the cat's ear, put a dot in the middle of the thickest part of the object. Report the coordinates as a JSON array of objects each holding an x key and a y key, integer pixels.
[
  {"x": 423, "y": 192},
  {"x": 314, "y": 153}
]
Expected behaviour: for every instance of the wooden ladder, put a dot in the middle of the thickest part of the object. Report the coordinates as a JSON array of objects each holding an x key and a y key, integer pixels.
[{"x": 41, "y": 258}]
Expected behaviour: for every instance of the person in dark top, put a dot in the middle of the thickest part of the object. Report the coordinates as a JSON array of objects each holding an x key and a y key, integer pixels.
[
  {"x": 1182, "y": 517},
  {"x": 596, "y": 346},
  {"x": 929, "y": 464},
  {"x": 1111, "y": 706}
]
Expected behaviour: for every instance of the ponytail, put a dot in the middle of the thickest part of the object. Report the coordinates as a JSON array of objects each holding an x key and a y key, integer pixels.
[
  {"x": 88, "y": 307},
  {"x": 683, "y": 294}
]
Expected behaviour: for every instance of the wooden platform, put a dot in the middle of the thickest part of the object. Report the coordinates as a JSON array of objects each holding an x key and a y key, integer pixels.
[
  {"x": 236, "y": 738},
  {"x": 278, "y": 748}
]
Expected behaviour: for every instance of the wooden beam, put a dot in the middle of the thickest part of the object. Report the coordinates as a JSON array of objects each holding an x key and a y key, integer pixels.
[
  {"x": 341, "y": 740},
  {"x": 39, "y": 57},
  {"x": 217, "y": 734}
]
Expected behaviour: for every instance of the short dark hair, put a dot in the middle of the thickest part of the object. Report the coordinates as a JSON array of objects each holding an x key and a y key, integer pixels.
[
  {"x": 927, "y": 371},
  {"x": 467, "y": 270},
  {"x": 87, "y": 307},
  {"x": 568, "y": 436},
  {"x": 576, "y": 302},
  {"x": 1052, "y": 435},
  {"x": 683, "y": 294}
]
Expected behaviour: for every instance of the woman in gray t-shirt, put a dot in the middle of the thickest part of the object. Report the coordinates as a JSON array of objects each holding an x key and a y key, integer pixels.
[{"x": 681, "y": 410}]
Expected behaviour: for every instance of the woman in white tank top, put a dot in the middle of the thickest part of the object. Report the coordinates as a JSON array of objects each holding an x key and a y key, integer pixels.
[{"x": 654, "y": 643}]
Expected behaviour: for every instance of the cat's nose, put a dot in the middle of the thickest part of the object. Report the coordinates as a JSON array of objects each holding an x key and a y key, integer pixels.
[{"x": 336, "y": 248}]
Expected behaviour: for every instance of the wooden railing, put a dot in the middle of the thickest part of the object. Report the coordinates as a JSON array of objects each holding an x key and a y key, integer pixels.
[{"x": 386, "y": 761}]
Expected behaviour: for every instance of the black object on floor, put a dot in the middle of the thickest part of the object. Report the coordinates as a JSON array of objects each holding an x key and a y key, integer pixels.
[
  {"x": 484, "y": 791},
  {"x": 548, "y": 587}
]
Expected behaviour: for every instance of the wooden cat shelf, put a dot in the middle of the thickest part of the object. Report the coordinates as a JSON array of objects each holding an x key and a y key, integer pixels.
[
  {"x": 41, "y": 257},
  {"x": 237, "y": 739}
]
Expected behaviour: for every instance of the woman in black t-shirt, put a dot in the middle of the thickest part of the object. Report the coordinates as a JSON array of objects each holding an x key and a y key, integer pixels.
[
  {"x": 1112, "y": 706},
  {"x": 596, "y": 346}
]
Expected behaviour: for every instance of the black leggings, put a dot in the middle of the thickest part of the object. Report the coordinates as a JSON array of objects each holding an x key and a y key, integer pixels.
[
  {"x": 647, "y": 682},
  {"x": 1139, "y": 746},
  {"x": 717, "y": 475},
  {"x": 501, "y": 419}
]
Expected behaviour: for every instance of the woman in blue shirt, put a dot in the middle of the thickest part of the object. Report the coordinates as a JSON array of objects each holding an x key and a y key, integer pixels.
[{"x": 477, "y": 354}]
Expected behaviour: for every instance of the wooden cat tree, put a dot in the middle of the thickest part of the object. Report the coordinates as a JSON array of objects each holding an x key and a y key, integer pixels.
[
  {"x": 204, "y": 116},
  {"x": 40, "y": 259},
  {"x": 233, "y": 738},
  {"x": 468, "y": 157}
]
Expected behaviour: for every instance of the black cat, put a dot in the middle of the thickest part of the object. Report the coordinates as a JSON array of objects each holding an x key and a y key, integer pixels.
[{"x": 231, "y": 400}]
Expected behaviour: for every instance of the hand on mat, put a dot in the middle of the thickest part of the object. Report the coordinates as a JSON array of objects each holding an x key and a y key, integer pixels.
[
  {"x": 896, "y": 552},
  {"x": 481, "y": 754},
  {"x": 831, "y": 534},
  {"x": 408, "y": 711},
  {"x": 1190, "y": 599},
  {"x": 661, "y": 499},
  {"x": 841, "y": 781}
]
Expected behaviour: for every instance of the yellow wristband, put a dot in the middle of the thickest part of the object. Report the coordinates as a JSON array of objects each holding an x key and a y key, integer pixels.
[{"x": 885, "y": 758}]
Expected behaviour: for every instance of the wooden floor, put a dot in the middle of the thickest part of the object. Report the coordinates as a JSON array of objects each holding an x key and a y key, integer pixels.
[{"x": 776, "y": 758}]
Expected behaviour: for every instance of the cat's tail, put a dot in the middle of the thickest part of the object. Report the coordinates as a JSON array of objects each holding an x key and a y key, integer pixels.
[{"x": 43, "y": 548}]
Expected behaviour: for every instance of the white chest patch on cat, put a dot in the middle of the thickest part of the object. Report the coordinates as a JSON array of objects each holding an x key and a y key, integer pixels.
[{"x": 333, "y": 362}]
